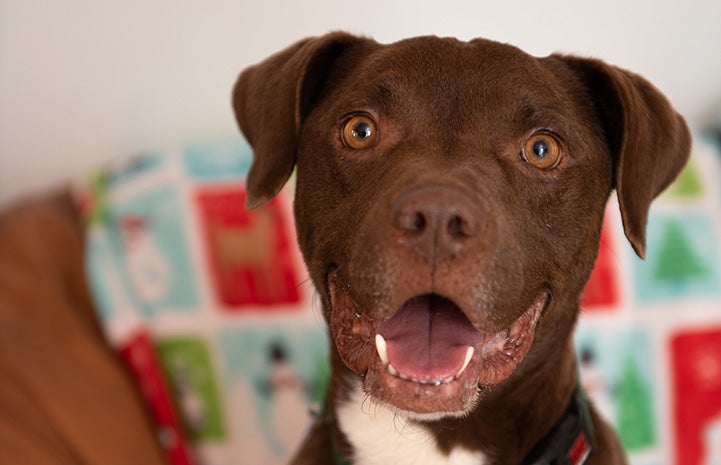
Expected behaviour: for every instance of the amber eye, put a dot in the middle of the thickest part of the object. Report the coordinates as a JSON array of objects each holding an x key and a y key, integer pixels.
[
  {"x": 542, "y": 151},
  {"x": 359, "y": 132}
]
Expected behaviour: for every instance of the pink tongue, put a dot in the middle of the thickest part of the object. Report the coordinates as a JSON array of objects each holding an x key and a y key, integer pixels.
[{"x": 428, "y": 337}]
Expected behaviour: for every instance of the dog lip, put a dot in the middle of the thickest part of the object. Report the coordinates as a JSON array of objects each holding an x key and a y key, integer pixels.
[{"x": 493, "y": 361}]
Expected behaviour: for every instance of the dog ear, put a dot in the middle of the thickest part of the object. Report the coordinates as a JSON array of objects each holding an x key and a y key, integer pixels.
[
  {"x": 648, "y": 140},
  {"x": 270, "y": 101}
]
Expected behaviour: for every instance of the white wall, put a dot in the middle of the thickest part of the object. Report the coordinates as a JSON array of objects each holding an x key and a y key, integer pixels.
[{"x": 82, "y": 81}]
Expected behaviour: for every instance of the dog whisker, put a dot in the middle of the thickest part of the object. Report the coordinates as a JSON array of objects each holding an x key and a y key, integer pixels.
[{"x": 367, "y": 401}]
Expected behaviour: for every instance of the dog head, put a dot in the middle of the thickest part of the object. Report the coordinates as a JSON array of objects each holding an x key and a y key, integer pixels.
[{"x": 450, "y": 198}]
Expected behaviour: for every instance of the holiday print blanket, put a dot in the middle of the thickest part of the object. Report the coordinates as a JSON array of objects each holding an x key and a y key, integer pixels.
[{"x": 210, "y": 306}]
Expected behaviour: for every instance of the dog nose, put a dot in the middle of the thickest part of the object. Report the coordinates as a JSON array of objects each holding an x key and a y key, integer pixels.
[{"x": 437, "y": 221}]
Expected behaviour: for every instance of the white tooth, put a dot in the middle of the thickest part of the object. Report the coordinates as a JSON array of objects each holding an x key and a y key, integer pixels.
[
  {"x": 392, "y": 370},
  {"x": 382, "y": 349},
  {"x": 466, "y": 361},
  {"x": 450, "y": 379}
]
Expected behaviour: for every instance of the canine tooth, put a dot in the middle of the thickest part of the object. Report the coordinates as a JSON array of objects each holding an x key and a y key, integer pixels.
[
  {"x": 469, "y": 355},
  {"x": 450, "y": 379},
  {"x": 382, "y": 349},
  {"x": 392, "y": 370}
]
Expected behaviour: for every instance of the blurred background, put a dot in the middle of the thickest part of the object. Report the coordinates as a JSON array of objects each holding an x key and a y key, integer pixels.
[{"x": 83, "y": 81}]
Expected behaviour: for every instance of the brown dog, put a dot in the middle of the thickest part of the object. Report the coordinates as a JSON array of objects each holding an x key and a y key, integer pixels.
[{"x": 449, "y": 205}]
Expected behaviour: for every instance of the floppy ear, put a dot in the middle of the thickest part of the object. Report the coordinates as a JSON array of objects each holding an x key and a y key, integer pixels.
[
  {"x": 648, "y": 140},
  {"x": 270, "y": 101}
]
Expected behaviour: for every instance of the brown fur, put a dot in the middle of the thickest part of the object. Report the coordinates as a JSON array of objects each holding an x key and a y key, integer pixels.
[{"x": 455, "y": 116}]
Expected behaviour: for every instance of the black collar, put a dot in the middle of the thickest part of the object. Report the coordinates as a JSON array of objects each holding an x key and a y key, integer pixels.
[{"x": 569, "y": 442}]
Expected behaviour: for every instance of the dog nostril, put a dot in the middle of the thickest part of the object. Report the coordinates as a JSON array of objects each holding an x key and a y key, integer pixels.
[
  {"x": 457, "y": 227},
  {"x": 419, "y": 222},
  {"x": 411, "y": 221}
]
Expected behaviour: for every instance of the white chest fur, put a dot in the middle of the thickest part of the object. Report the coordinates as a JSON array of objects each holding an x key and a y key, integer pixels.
[{"x": 380, "y": 437}]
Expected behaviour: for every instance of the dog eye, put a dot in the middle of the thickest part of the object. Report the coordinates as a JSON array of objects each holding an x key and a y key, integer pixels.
[
  {"x": 542, "y": 151},
  {"x": 359, "y": 132}
]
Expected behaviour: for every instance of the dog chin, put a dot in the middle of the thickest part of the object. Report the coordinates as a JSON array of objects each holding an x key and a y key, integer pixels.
[
  {"x": 411, "y": 415},
  {"x": 422, "y": 417}
]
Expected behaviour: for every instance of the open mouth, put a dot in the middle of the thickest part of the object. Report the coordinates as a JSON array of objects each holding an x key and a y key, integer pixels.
[
  {"x": 428, "y": 341},
  {"x": 427, "y": 357}
]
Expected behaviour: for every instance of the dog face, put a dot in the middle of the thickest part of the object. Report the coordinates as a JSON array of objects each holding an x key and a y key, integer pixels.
[{"x": 450, "y": 198}]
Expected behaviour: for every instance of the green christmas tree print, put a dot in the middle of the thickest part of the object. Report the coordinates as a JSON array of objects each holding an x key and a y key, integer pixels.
[
  {"x": 688, "y": 184},
  {"x": 634, "y": 409},
  {"x": 678, "y": 261}
]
